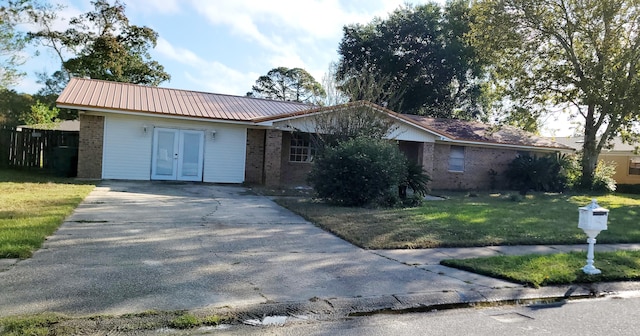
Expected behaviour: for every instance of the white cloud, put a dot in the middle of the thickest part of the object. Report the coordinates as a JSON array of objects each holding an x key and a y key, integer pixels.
[
  {"x": 209, "y": 76},
  {"x": 154, "y": 6},
  {"x": 26, "y": 84},
  {"x": 319, "y": 19},
  {"x": 182, "y": 55},
  {"x": 290, "y": 33},
  {"x": 63, "y": 15},
  {"x": 294, "y": 33}
]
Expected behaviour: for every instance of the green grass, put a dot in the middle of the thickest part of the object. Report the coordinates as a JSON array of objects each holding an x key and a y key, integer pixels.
[
  {"x": 553, "y": 269},
  {"x": 55, "y": 324},
  {"x": 34, "y": 325},
  {"x": 189, "y": 321},
  {"x": 485, "y": 220},
  {"x": 32, "y": 207}
]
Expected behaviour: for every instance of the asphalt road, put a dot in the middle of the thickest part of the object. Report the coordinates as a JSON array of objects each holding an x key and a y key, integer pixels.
[{"x": 608, "y": 316}]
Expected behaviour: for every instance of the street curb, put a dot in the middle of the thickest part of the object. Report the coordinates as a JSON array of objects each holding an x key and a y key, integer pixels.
[{"x": 331, "y": 308}]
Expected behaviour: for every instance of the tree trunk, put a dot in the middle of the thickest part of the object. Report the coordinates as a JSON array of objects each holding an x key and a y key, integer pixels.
[{"x": 589, "y": 150}]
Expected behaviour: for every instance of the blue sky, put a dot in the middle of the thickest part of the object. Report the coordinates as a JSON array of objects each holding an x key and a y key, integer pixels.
[{"x": 223, "y": 46}]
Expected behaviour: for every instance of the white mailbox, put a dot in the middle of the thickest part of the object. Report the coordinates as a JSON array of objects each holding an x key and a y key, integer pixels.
[
  {"x": 593, "y": 217},
  {"x": 592, "y": 220}
]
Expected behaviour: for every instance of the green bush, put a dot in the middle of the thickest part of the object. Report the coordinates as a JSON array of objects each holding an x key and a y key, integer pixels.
[
  {"x": 416, "y": 180},
  {"x": 546, "y": 173},
  {"x": 415, "y": 200},
  {"x": 628, "y": 188},
  {"x": 603, "y": 177},
  {"x": 358, "y": 171},
  {"x": 603, "y": 181}
]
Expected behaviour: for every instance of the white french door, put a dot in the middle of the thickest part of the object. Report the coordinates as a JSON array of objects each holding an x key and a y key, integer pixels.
[{"x": 177, "y": 154}]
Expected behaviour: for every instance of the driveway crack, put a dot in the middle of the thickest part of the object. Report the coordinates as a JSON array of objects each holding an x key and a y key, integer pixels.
[{"x": 216, "y": 205}]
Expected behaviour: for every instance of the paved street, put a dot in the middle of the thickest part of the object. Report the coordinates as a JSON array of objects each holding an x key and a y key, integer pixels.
[{"x": 611, "y": 316}]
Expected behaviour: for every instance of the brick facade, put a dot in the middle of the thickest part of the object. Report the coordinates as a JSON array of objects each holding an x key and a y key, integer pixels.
[
  {"x": 90, "y": 146},
  {"x": 477, "y": 163},
  {"x": 293, "y": 173},
  {"x": 275, "y": 170},
  {"x": 267, "y": 160},
  {"x": 426, "y": 153},
  {"x": 254, "y": 163},
  {"x": 272, "y": 158}
]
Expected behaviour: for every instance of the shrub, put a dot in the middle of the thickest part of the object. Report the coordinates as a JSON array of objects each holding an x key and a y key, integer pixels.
[
  {"x": 358, "y": 171},
  {"x": 603, "y": 177},
  {"x": 416, "y": 180},
  {"x": 546, "y": 173},
  {"x": 628, "y": 188}
]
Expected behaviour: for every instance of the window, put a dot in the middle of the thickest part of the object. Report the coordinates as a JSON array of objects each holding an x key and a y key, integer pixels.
[
  {"x": 300, "y": 149},
  {"x": 456, "y": 159},
  {"x": 634, "y": 166}
]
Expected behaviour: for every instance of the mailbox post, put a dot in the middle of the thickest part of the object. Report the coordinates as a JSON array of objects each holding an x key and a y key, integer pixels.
[{"x": 592, "y": 220}]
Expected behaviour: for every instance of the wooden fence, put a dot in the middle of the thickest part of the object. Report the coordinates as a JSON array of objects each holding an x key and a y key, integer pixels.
[{"x": 39, "y": 149}]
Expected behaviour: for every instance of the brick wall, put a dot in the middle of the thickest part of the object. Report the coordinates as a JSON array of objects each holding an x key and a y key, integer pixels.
[
  {"x": 254, "y": 163},
  {"x": 293, "y": 173},
  {"x": 272, "y": 157},
  {"x": 426, "y": 159},
  {"x": 477, "y": 163},
  {"x": 90, "y": 146}
]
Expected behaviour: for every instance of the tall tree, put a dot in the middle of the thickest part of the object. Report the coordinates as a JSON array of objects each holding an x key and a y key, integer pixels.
[
  {"x": 103, "y": 45},
  {"x": 14, "y": 106},
  {"x": 290, "y": 85},
  {"x": 12, "y": 41},
  {"x": 419, "y": 58},
  {"x": 331, "y": 87},
  {"x": 581, "y": 55}
]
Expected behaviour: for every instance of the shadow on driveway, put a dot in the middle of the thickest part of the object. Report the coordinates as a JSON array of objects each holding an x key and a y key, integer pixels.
[{"x": 136, "y": 246}]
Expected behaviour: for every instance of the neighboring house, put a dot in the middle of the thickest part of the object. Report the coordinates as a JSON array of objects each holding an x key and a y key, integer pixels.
[
  {"x": 63, "y": 125},
  {"x": 148, "y": 133},
  {"x": 624, "y": 155}
]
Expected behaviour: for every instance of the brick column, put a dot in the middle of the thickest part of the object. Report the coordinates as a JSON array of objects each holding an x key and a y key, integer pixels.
[
  {"x": 272, "y": 158},
  {"x": 254, "y": 164},
  {"x": 90, "y": 146}
]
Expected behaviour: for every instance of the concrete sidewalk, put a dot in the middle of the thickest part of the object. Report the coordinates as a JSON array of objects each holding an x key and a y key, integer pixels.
[{"x": 138, "y": 246}]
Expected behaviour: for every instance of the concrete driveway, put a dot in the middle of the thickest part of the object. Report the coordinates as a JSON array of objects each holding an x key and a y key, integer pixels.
[{"x": 136, "y": 246}]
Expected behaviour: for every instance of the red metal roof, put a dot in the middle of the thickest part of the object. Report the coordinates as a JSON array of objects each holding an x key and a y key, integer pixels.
[
  {"x": 104, "y": 95},
  {"x": 83, "y": 93}
]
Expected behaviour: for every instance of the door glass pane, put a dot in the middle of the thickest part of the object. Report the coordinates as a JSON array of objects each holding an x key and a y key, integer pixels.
[
  {"x": 164, "y": 155},
  {"x": 190, "y": 154}
]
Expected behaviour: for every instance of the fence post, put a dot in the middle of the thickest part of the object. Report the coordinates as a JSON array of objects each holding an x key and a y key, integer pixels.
[{"x": 5, "y": 144}]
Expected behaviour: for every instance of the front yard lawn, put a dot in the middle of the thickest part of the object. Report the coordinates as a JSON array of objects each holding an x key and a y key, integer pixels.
[
  {"x": 481, "y": 219},
  {"x": 553, "y": 269},
  {"x": 32, "y": 206}
]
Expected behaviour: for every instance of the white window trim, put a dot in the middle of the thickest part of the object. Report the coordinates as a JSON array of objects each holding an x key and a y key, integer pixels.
[{"x": 307, "y": 149}]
